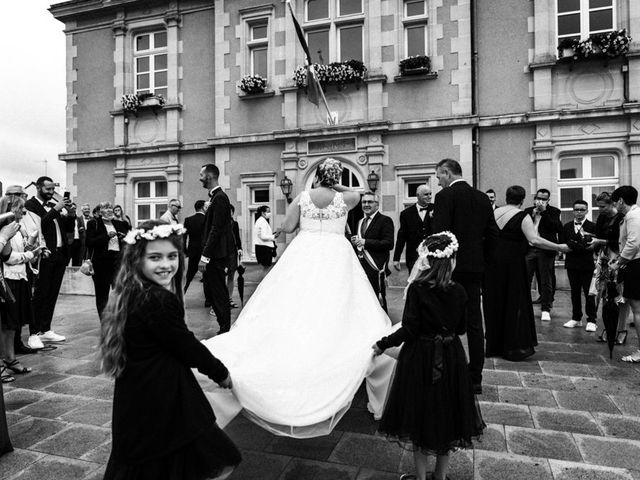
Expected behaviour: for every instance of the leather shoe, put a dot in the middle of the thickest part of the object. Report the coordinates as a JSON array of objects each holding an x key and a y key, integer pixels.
[
  {"x": 477, "y": 389},
  {"x": 22, "y": 349}
]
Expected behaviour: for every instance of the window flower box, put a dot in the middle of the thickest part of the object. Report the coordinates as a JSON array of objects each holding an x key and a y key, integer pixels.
[
  {"x": 415, "y": 65},
  {"x": 132, "y": 102},
  {"x": 251, "y": 84},
  {"x": 337, "y": 73},
  {"x": 609, "y": 45}
]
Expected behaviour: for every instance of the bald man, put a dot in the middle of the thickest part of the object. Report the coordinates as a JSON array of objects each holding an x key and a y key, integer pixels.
[{"x": 415, "y": 226}]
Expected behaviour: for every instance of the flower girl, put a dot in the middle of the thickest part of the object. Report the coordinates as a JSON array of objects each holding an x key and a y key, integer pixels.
[
  {"x": 431, "y": 408},
  {"x": 163, "y": 426}
]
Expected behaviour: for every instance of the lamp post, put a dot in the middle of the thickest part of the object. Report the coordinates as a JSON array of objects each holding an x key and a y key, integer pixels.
[
  {"x": 286, "y": 185},
  {"x": 372, "y": 180}
]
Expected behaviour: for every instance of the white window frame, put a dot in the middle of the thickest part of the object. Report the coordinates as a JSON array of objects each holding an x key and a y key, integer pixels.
[
  {"x": 584, "y": 19},
  {"x": 250, "y": 18},
  {"x": 413, "y": 21},
  {"x": 152, "y": 200},
  {"x": 150, "y": 53},
  {"x": 249, "y": 183},
  {"x": 334, "y": 23},
  {"x": 587, "y": 182},
  {"x": 255, "y": 44}
]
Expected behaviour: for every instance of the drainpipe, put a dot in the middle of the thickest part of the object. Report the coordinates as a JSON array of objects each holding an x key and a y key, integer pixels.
[{"x": 475, "y": 135}]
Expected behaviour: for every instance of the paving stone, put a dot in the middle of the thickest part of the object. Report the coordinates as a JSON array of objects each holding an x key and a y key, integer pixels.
[
  {"x": 506, "y": 414},
  {"x": 610, "y": 452},
  {"x": 374, "y": 452},
  {"x": 312, "y": 470},
  {"x": 358, "y": 420},
  {"x": 527, "y": 396},
  {"x": 78, "y": 386},
  {"x": 586, "y": 401},
  {"x": 628, "y": 405},
  {"x": 613, "y": 373},
  {"x": 18, "y": 398},
  {"x": 492, "y": 439},
  {"x": 13, "y": 462},
  {"x": 501, "y": 377},
  {"x": 74, "y": 441},
  {"x": 14, "y": 417},
  {"x": 246, "y": 434},
  {"x": 318, "y": 448},
  {"x": 96, "y": 412},
  {"x": 504, "y": 466},
  {"x": 548, "y": 382},
  {"x": 528, "y": 365},
  {"x": 53, "y": 406},
  {"x": 489, "y": 393},
  {"x": 556, "y": 347},
  {"x": 263, "y": 466},
  {"x": 540, "y": 443},
  {"x": 37, "y": 380},
  {"x": 572, "y": 471},
  {"x": 366, "y": 474},
  {"x": 100, "y": 454},
  {"x": 85, "y": 368},
  {"x": 619, "y": 426},
  {"x": 56, "y": 468},
  {"x": 51, "y": 363},
  {"x": 565, "y": 421},
  {"x": 461, "y": 465},
  {"x": 571, "y": 357},
  {"x": 31, "y": 430},
  {"x": 606, "y": 387},
  {"x": 97, "y": 474},
  {"x": 568, "y": 369}
]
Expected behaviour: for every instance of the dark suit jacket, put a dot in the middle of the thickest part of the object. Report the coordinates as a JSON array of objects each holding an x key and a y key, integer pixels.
[
  {"x": 379, "y": 240},
  {"x": 236, "y": 235},
  {"x": 48, "y": 226},
  {"x": 550, "y": 227},
  {"x": 579, "y": 258},
  {"x": 193, "y": 239},
  {"x": 79, "y": 220},
  {"x": 98, "y": 238},
  {"x": 218, "y": 243},
  {"x": 412, "y": 231},
  {"x": 467, "y": 213}
]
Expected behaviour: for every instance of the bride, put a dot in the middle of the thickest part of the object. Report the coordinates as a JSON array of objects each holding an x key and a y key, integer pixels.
[{"x": 302, "y": 345}]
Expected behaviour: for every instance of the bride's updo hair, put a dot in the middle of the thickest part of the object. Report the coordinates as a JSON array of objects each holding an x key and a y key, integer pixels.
[{"x": 329, "y": 172}]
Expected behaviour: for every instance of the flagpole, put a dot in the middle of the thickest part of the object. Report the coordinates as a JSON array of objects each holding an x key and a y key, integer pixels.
[{"x": 324, "y": 99}]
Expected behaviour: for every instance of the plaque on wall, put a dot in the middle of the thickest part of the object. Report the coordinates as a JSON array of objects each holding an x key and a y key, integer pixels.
[{"x": 320, "y": 147}]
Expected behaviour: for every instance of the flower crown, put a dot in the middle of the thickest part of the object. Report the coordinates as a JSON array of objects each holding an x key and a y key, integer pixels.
[
  {"x": 331, "y": 170},
  {"x": 447, "y": 252},
  {"x": 159, "y": 231}
]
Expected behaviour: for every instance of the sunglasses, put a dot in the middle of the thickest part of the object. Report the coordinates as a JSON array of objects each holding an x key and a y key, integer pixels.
[
  {"x": 541, "y": 199},
  {"x": 579, "y": 209}
]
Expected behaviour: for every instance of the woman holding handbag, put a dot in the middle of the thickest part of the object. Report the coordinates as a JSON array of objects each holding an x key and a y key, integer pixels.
[
  {"x": 104, "y": 239},
  {"x": 264, "y": 240}
]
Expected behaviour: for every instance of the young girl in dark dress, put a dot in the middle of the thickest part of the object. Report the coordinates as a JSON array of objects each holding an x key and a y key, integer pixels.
[
  {"x": 163, "y": 427},
  {"x": 431, "y": 408}
]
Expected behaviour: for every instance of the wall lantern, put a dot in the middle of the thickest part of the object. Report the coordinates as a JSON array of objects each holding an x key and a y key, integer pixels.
[
  {"x": 372, "y": 180},
  {"x": 286, "y": 185}
]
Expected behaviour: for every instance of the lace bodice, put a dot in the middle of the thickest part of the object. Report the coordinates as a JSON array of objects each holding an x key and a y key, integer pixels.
[{"x": 331, "y": 219}]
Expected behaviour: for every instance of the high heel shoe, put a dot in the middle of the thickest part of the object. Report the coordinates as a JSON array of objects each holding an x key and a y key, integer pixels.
[{"x": 621, "y": 337}]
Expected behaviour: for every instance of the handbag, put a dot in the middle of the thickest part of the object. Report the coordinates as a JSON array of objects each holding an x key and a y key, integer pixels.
[
  {"x": 87, "y": 266},
  {"x": 274, "y": 253}
]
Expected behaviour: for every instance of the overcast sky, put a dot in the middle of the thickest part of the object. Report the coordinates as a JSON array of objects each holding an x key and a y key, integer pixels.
[{"x": 32, "y": 92}]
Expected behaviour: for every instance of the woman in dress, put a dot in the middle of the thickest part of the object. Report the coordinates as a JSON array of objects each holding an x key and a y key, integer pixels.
[
  {"x": 302, "y": 344},
  {"x": 263, "y": 237},
  {"x": 104, "y": 243},
  {"x": 119, "y": 215},
  {"x": 431, "y": 408},
  {"x": 163, "y": 428},
  {"x": 510, "y": 330}
]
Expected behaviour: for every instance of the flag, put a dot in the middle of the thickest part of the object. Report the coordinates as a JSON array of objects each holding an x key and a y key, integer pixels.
[{"x": 313, "y": 86}]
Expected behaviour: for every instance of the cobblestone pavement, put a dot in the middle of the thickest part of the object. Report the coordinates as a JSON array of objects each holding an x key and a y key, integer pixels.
[{"x": 567, "y": 413}]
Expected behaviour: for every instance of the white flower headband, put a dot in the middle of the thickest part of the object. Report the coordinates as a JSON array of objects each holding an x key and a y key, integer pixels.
[
  {"x": 159, "y": 231},
  {"x": 423, "y": 250}
]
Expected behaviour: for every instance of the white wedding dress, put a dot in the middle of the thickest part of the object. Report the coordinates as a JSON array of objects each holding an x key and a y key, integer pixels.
[{"x": 301, "y": 346}]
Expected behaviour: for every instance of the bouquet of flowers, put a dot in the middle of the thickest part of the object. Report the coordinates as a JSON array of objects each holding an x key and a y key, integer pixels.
[
  {"x": 336, "y": 73},
  {"x": 612, "y": 44},
  {"x": 253, "y": 84},
  {"x": 616, "y": 43},
  {"x": 415, "y": 62},
  {"x": 131, "y": 102}
]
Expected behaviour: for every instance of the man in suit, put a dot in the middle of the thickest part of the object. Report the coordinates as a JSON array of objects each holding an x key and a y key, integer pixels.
[
  {"x": 47, "y": 285},
  {"x": 415, "y": 226},
  {"x": 193, "y": 240},
  {"x": 83, "y": 219},
  {"x": 76, "y": 239},
  {"x": 218, "y": 245},
  {"x": 579, "y": 265},
  {"x": 491, "y": 194},
  {"x": 171, "y": 215},
  {"x": 546, "y": 221},
  {"x": 373, "y": 242},
  {"x": 467, "y": 213}
]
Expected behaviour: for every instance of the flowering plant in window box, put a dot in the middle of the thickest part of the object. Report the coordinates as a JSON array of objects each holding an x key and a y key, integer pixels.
[
  {"x": 132, "y": 102},
  {"x": 253, "y": 84},
  {"x": 415, "y": 65},
  {"x": 615, "y": 43},
  {"x": 336, "y": 73},
  {"x": 611, "y": 44}
]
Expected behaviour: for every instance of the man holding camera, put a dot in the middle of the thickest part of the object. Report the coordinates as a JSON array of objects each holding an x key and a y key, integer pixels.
[{"x": 579, "y": 264}]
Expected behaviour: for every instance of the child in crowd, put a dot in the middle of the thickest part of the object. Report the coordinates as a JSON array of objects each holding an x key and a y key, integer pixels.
[
  {"x": 163, "y": 426},
  {"x": 431, "y": 408}
]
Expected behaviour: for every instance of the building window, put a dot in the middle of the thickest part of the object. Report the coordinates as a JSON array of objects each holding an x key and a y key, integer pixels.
[
  {"x": 578, "y": 19},
  {"x": 334, "y": 30},
  {"x": 259, "y": 195},
  {"x": 151, "y": 199},
  {"x": 258, "y": 45},
  {"x": 150, "y": 63},
  {"x": 415, "y": 27},
  {"x": 410, "y": 187},
  {"x": 584, "y": 177}
]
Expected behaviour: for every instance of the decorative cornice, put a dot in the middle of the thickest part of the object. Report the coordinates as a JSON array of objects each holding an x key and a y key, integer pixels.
[
  {"x": 411, "y": 78},
  {"x": 132, "y": 151},
  {"x": 253, "y": 96},
  {"x": 258, "y": 9}
]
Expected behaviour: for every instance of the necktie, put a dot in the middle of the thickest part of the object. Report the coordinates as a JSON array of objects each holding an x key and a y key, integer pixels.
[
  {"x": 424, "y": 209},
  {"x": 365, "y": 225},
  {"x": 51, "y": 204},
  {"x": 578, "y": 223}
]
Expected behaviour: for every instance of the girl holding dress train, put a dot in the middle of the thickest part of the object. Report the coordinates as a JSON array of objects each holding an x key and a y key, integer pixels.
[
  {"x": 163, "y": 427},
  {"x": 431, "y": 408}
]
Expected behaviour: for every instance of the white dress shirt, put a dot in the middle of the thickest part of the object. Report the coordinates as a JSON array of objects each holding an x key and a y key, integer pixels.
[{"x": 630, "y": 234}]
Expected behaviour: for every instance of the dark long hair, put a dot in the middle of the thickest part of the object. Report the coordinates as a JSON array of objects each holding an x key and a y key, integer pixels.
[
  {"x": 130, "y": 291},
  {"x": 441, "y": 269},
  {"x": 261, "y": 209}
]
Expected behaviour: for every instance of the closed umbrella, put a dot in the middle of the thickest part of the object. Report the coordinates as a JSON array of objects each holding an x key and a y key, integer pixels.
[
  {"x": 241, "y": 271},
  {"x": 610, "y": 315}
]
